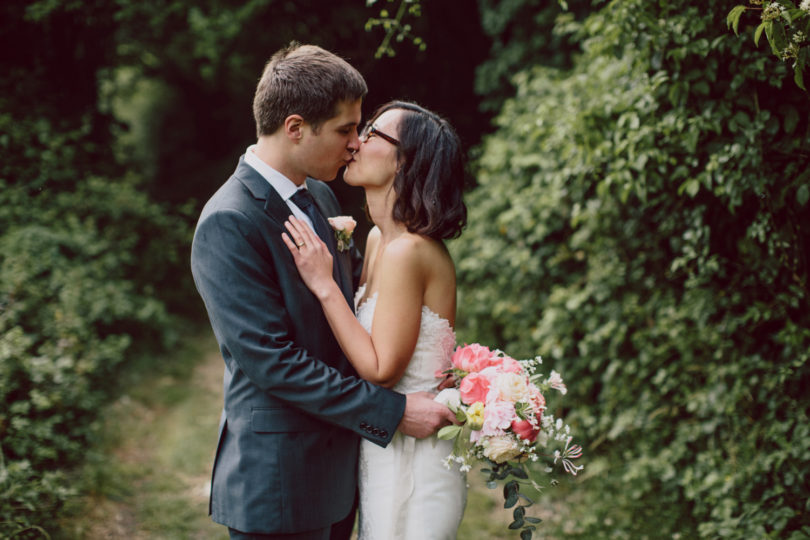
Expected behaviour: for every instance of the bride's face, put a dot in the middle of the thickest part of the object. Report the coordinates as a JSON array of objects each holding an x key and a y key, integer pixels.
[{"x": 375, "y": 163}]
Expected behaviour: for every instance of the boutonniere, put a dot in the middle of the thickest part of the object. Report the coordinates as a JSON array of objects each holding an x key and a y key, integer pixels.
[{"x": 344, "y": 227}]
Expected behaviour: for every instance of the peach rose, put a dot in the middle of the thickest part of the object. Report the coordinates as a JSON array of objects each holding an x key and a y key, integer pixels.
[
  {"x": 472, "y": 358},
  {"x": 474, "y": 387},
  {"x": 343, "y": 223}
]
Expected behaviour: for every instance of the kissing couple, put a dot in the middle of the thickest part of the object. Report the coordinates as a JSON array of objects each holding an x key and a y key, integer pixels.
[{"x": 331, "y": 358}]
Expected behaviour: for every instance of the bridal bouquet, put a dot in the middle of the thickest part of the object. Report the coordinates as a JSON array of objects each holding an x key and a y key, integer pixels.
[{"x": 500, "y": 403}]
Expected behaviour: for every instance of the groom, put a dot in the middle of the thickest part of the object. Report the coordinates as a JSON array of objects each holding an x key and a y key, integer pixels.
[{"x": 286, "y": 460}]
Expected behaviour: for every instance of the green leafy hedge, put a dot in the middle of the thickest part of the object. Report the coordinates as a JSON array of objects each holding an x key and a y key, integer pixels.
[
  {"x": 83, "y": 263},
  {"x": 642, "y": 221}
]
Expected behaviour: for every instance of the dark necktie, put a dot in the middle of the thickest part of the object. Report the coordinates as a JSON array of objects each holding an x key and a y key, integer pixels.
[{"x": 303, "y": 200}]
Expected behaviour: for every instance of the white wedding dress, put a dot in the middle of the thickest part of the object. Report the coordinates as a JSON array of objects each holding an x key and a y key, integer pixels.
[{"x": 406, "y": 492}]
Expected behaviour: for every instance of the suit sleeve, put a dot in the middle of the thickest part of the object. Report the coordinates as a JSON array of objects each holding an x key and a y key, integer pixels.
[{"x": 233, "y": 270}]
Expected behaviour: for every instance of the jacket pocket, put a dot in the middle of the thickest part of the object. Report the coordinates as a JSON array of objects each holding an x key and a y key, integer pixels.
[{"x": 282, "y": 420}]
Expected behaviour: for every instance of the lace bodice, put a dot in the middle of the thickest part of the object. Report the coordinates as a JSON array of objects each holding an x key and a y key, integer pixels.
[{"x": 434, "y": 347}]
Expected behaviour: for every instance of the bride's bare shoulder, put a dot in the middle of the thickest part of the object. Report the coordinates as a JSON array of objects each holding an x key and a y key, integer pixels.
[
  {"x": 416, "y": 249},
  {"x": 373, "y": 237}
]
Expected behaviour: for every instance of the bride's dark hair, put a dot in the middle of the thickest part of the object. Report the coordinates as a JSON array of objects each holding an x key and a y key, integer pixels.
[{"x": 430, "y": 180}]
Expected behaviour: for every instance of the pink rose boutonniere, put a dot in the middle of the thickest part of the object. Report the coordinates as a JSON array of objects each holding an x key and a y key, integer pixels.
[{"x": 344, "y": 227}]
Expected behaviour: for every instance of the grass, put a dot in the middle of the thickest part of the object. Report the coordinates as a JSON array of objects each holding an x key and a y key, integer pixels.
[{"x": 148, "y": 476}]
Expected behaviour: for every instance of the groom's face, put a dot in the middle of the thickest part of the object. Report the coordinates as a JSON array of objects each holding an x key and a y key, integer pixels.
[{"x": 324, "y": 152}]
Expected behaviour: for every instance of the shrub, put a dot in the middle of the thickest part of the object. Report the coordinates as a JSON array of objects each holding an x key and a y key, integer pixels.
[
  {"x": 83, "y": 266},
  {"x": 642, "y": 223}
]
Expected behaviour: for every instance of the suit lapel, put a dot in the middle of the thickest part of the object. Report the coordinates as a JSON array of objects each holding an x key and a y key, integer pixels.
[
  {"x": 278, "y": 211},
  {"x": 274, "y": 206}
]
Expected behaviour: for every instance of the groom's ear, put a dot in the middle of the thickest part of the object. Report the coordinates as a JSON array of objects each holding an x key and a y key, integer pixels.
[{"x": 293, "y": 125}]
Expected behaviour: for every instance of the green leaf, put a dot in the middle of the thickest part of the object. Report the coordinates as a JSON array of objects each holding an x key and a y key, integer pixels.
[
  {"x": 798, "y": 69},
  {"x": 802, "y": 194},
  {"x": 510, "y": 494},
  {"x": 691, "y": 186},
  {"x": 449, "y": 433},
  {"x": 775, "y": 31},
  {"x": 516, "y": 524},
  {"x": 533, "y": 519},
  {"x": 526, "y": 534},
  {"x": 733, "y": 19},
  {"x": 518, "y": 473},
  {"x": 758, "y": 32}
]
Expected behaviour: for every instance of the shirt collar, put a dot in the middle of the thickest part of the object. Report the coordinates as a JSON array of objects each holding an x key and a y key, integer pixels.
[{"x": 285, "y": 187}]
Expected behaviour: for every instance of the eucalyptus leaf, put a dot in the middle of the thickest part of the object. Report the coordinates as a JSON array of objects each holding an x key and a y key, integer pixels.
[{"x": 449, "y": 432}]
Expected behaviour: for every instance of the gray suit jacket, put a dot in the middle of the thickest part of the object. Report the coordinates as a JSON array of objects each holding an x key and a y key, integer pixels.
[{"x": 286, "y": 459}]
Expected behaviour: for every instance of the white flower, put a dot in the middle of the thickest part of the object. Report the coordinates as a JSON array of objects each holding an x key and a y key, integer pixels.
[
  {"x": 512, "y": 387},
  {"x": 567, "y": 455},
  {"x": 555, "y": 380},
  {"x": 449, "y": 397},
  {"x": 501, "y": 449},
  {"x": 805, "y": 5}
]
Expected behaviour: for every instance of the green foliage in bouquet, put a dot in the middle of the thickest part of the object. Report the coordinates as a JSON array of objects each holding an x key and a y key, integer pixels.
[{"x": 643, "y": 220}]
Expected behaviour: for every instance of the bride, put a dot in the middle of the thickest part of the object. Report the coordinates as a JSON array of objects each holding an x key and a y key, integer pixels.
[{"x": 411, "y": 167}]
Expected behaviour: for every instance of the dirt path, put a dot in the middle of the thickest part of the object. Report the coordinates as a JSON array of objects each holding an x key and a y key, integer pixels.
[{"x": 153, "y": 478}]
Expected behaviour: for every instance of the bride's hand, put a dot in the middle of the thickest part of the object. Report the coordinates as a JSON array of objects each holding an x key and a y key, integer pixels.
[{"x": 311, "y": 256}]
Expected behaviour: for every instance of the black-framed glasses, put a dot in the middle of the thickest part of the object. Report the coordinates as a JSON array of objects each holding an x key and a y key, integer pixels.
[{"x": 371, "y": 130}]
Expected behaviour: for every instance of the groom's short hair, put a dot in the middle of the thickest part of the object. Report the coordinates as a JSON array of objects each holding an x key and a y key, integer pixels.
[{"x": 305, "y": 80}]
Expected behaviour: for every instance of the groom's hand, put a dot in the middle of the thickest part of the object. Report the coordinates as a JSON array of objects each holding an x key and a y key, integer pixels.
[{"x": 423, "y": 417}]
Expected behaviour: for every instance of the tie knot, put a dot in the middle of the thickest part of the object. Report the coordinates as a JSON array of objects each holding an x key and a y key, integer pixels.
[{"x": 302, "y": 199}]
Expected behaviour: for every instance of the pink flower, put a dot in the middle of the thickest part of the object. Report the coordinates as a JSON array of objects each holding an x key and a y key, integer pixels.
[
  {"x": 538, "y": 401},
  {"x": 498, "y": 417},
  {"x": 343, "y": 223},
  {"x": 525, "y": 430},
  {"x": 344, "y": 227},
  {"x": 472, "y": 358},
  {"x": 474, "y": 387},
  {"x": 510, "y": 365}
]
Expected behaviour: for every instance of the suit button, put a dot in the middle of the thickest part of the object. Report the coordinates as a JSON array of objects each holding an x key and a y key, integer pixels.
[
  {"x": 363, "y": 425},
  {"x": 384, "y": 434}
]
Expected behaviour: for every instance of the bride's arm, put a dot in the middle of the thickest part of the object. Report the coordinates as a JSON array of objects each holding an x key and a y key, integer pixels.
[{"x": 382, "y": 356}]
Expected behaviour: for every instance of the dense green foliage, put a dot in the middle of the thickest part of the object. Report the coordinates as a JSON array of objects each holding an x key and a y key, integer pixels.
[
  {"x": 86, "y": 259},
  {"x": 642, "y": 222}
]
